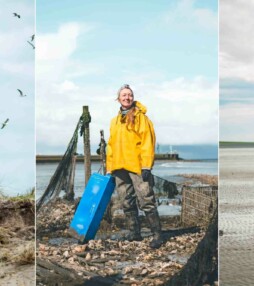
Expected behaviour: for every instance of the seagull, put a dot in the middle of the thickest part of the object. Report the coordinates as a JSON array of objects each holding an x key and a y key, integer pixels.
[
  {"x": 31, "y": 44},
  {"x": 21, "y": 93},
  {"x": 32, "y": 37},
  {"x": 5, "y": 123},
  {"x": 16, "y": 15}
]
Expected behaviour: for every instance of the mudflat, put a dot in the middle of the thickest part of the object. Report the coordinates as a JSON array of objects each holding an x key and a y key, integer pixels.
[{"x": 236, "y": 216}]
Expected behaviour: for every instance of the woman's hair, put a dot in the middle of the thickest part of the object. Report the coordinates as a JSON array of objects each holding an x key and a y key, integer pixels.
[{"x": 130, "y": 116}]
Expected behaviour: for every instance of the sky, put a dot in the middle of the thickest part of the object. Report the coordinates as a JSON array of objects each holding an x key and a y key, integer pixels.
[
  {"x": 17, "y": 138},
  {"x": 236, "y": 63},
  {"x": 167, "y": 51}
]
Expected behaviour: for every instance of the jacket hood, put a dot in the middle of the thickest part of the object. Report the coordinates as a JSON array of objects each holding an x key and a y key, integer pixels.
[{"x": 141, "y": 107}]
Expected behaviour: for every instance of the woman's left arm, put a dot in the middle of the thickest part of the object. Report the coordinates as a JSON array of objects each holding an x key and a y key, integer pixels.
[{"x": 147, "y": 135}]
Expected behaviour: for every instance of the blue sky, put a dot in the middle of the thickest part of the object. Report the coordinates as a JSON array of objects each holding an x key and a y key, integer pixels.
[
  {"x": 17, "y": 139},
  {"x": 236, "y": 71},
  {"x": 166, "y": 50}
]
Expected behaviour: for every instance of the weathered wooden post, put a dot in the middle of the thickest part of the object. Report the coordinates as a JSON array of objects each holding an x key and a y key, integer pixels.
[
  {"x": 108, "y": 212},
  {"x": 86, "y": 138},
  {"x": 102, "y": 152}
]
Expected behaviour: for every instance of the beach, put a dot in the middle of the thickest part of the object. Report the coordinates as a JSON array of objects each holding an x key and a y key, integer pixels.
[
  {"x": 236, "y": 216},
  {"x": 17, "y": 242}
]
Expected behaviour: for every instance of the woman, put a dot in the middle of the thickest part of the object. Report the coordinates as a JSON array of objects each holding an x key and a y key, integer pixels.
[{"x": 130, "y": 157}]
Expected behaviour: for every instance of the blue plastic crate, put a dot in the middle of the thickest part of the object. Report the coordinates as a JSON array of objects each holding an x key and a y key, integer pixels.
[{"x": 92, "y": 206}]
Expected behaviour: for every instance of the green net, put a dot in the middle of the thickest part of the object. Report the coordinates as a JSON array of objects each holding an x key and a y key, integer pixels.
[{"x": 165, "y": 187}]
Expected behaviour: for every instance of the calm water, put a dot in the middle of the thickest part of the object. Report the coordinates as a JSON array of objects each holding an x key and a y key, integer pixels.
[{"x": 164, "y": 169}]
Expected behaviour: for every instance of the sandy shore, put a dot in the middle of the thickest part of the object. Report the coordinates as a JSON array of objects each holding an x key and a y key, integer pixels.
[
  {"x": 236, "y": 216},
  {"x": 12, "y": 275},
  {"x": 17, "y": 246}
]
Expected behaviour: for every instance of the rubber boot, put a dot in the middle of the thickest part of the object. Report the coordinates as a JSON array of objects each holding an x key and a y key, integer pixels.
[
  {"x": 132, "y": 223},
  {"x": 154, "y": 223}
]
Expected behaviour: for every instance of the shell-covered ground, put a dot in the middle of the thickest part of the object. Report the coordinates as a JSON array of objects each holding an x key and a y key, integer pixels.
[{"x": 108, "y": 261}]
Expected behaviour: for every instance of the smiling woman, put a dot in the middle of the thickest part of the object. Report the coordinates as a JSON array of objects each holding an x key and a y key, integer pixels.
[{"x": 130, "y": 158}]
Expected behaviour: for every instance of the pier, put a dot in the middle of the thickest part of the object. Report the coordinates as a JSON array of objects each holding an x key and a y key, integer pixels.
[{"x": 97, "y": 158}]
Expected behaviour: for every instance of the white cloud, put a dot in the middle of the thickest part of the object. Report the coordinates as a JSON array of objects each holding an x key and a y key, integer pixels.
[
  {"x": 236, "y": 41},
  {"x": 183, "y": 111},
  {"x": 66, "y": 86},
  {"x": 60, "y": 45},
  {"x": 192, "y": 17},
  {"x": 54, "y": 52}
]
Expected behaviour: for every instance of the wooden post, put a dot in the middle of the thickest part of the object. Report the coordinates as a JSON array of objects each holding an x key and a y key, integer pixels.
[
  {"x": 102, "y": 153},
  {"x": 86, "y": 138}
]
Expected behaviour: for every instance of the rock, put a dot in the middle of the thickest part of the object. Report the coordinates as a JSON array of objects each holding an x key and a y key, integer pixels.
[
  {"x": 66, "y": 254},
  {"x": 88, "y": 256},
  {"x": 71, "y": 260}
]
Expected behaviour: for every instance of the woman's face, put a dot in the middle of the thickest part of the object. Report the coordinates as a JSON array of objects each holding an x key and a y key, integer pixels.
[{"x": 125, "y": 98}]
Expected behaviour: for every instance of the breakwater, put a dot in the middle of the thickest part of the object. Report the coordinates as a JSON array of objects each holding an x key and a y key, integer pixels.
[{"x": 97, "y": 158}]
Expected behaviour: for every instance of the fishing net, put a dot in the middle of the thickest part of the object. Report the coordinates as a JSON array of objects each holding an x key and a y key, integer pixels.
[
  {"x": 164, "y": 187},
  {"x": 63, "y": 176}
]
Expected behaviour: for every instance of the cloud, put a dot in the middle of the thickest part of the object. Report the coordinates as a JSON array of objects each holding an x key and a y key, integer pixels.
[
  {"x": 236, "y": 42},
  {"x": 192, "y": 18},
  {"x": 183, "y": 111},
  {"x": 60, "y": 45},
  {"x": 66, "y": 86}
]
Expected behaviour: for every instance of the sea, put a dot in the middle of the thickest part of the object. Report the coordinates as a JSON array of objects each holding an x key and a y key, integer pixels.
[{"x": 197, "y": 159}]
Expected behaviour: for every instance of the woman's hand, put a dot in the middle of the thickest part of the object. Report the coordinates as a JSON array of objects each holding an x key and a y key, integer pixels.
[{"x": 146, "y": 175}]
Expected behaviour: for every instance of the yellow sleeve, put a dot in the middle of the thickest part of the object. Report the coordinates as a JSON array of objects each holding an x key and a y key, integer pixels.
[{"x": 147, "y": 142}]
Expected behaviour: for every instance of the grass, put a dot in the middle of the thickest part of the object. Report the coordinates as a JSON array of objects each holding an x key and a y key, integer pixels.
[
  {"x": 21, "y": 255},
  {"x": 25, "y": 254},
  {"x": 4, "y": 236},
  {"x": 29, "y": 195},
  {"x": 236, "y": 144}
]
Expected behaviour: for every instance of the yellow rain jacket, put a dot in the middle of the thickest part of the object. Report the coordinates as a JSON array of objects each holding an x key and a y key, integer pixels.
[{"x": 131, "y": 147}]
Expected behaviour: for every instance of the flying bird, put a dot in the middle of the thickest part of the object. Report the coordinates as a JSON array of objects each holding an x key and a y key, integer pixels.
[
  {"x": 5, "y": 123},
  {"x": 32, "y": 37},
  {"x": 21, "y": 93},
  {"x": 31, "y": 44},
  {"x": 16, "y": 15}
]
